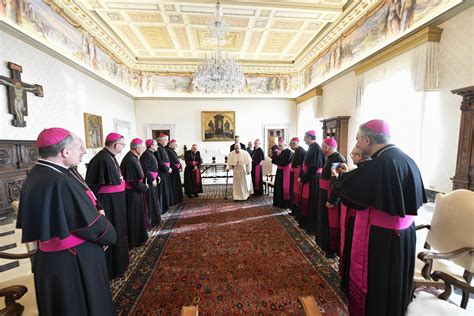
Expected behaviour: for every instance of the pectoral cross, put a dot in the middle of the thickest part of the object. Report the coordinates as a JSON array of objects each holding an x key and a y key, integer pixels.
[{"x": 16, "y": 91}]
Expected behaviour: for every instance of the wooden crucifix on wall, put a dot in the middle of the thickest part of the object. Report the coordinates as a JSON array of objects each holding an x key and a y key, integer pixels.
[{"x": 16, "y": 91}]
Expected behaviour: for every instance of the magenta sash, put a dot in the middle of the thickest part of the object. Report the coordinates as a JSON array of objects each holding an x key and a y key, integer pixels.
[
  {"x": 346, "y": 213},
  {"x": 286, "y": 180},
  {"x": 130, "y": 186},
  {"x": 56, "y": 244},
  {"x": 197, "y": 172},
  {"x": 114, "y": 188},
  {"x": 358, "y": 283},
  {"x": 258, "y": 171},
  {"x": 333, "y": 217},
  {"x": 91, "y": 196},
  {"x": 154, "y": 174},
  {"x": 178, "y": 165},
  {"x": 296, "y": 185},
  {"x": 167, "y": 164},
  {"x": 305, "y": 193}
]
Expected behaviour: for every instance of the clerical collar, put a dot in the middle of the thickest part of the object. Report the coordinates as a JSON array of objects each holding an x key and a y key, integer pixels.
[
  {"x": 54, "y": 165},
  {"x": 382, "y": 150},
  {"x": 109, "y": 152}
]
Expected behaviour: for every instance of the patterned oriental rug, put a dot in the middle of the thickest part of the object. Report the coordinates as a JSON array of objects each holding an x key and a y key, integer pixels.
[{"x": 228, "y": 258}]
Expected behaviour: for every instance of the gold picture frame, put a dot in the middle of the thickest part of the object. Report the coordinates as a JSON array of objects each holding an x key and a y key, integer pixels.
[
  {"x": 93, "y": 130},
  {"x": 218, "y": 126}
]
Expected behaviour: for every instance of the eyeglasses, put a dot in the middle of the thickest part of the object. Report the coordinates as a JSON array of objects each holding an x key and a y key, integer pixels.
[{"x": 123, "y": 144}]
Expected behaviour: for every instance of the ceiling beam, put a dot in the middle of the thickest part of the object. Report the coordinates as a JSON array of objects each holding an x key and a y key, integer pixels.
[{"x": 271, "y": 4}]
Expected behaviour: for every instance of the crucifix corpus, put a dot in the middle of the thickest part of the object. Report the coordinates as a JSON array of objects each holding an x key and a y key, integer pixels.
[{"x": 16, "y": 91}]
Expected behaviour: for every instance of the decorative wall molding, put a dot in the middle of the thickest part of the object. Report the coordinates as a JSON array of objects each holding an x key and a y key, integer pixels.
[
  {"x": 428, "y": 34},
  {"x": 150, "y": 127},
  {"x": 43, "y": 47},
  {"x": 308, "y": 95}
]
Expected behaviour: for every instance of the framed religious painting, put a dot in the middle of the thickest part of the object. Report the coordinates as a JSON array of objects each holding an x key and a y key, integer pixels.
[
  {"x": 93, "y": 128},
  {"x": 218, "y": 126}
]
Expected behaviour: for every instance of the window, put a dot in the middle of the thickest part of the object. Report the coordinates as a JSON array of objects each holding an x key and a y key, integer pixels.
[{"x": 394, "y": 100}]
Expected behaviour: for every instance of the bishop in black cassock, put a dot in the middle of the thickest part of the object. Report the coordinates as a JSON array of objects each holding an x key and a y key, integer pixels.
[
  {"x": 258, "y": 156},
  {"x": 329, "y": 210},
  {"x": 164, "y": 170},
  {"x": 105, "y": 180},
  {"x": 192, "y": 173},
  {"x": 134, "y": 193},
  {"x": 281, "y": 193},
  {"x": 152, "y": 195},
  {"x": 296, "y": 168},
  {"x": 312, "y": 164},
  {"x": 175, "y": 176},
  {"x": 390, "y": 189},
  {"x": 58, "y": 211},
  {"x": 348, "y": 214}
]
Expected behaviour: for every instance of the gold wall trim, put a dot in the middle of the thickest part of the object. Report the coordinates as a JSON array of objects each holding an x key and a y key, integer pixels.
[
  {"x": 428, "y": 34},
  {"x": 308, "y": 95}
]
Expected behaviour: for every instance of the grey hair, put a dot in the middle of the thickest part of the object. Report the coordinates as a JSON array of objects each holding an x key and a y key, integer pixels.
[
  {"x": 378, "y": 138},
  {"x": 358, "y": 151},
  {"x": 53, "y": 150},
  {"x": 135, "y": 146},
  {"x": 109, "y": 143}
]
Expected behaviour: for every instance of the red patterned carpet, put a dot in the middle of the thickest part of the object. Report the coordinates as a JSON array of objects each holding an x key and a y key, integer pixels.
[{"x": 228, "y": 258}]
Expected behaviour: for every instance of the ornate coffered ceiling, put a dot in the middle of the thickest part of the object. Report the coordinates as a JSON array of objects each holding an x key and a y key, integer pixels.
[{"x": 266, "y": 36}]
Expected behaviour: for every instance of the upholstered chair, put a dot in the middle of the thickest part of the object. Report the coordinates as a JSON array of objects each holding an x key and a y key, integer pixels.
[{"x": 449, "y": 246}]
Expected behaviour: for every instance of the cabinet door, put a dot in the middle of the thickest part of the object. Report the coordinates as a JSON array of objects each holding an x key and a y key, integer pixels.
[
  {"x": 10, "y": 187},
  {"x": 8, "y": 157},
  {"x": 27, "y": 155}
]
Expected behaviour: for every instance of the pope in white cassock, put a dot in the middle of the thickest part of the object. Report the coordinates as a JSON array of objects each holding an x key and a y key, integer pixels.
[{"x": 241, "y": 162}]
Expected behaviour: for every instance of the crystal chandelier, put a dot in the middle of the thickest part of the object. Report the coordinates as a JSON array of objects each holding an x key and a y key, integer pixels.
[{"x": 219, "y": 73}]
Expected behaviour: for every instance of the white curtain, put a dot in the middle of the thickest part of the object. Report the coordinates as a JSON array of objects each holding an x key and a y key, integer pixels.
[
  {"x": 424, "y": 68},
  {"x": 397, "y": 91},
  {"x": 318, "y": 106},
  {"x": 307, "y": 112},
  {"x": 421, "y": 62}
]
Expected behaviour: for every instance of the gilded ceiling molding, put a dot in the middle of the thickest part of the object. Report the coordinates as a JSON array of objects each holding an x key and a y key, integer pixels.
[
  {"x": 317, "y": 91},
  {"x": 360, "y": 21},
  {"x": 65, "y": 16},
  {"x": 71, "y": 8},
  {"x": 428, "y": 34},
  {"x": 79, "y": 11},
  {"x": 348, "y": 20}
]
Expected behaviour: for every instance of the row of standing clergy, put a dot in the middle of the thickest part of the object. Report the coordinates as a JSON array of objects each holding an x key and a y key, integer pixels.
[
  {"x": 366, "y": 215},
  {"x": 84, "y": 227},
  {"x": 134, "y": 194}
]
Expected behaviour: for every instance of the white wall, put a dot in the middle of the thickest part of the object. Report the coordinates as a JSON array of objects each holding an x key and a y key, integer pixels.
[
  {"x": 443, "y": 114},
  {"x": 440, "y": 127},
  {"x": 251, "y": 116},
  {"x": 339, "y": 99},
  {"x": 68, "y": 93}
]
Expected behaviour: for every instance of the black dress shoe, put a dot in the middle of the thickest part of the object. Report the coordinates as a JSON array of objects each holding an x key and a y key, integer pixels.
[{"x": 331, "y": 254}]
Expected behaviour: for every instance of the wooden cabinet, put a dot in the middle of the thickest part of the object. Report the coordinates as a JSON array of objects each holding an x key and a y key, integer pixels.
[
  {"x": 337, "y": 127},
  {"x": 16, "y": 159},
  {"x": 464, "y": 177}
]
